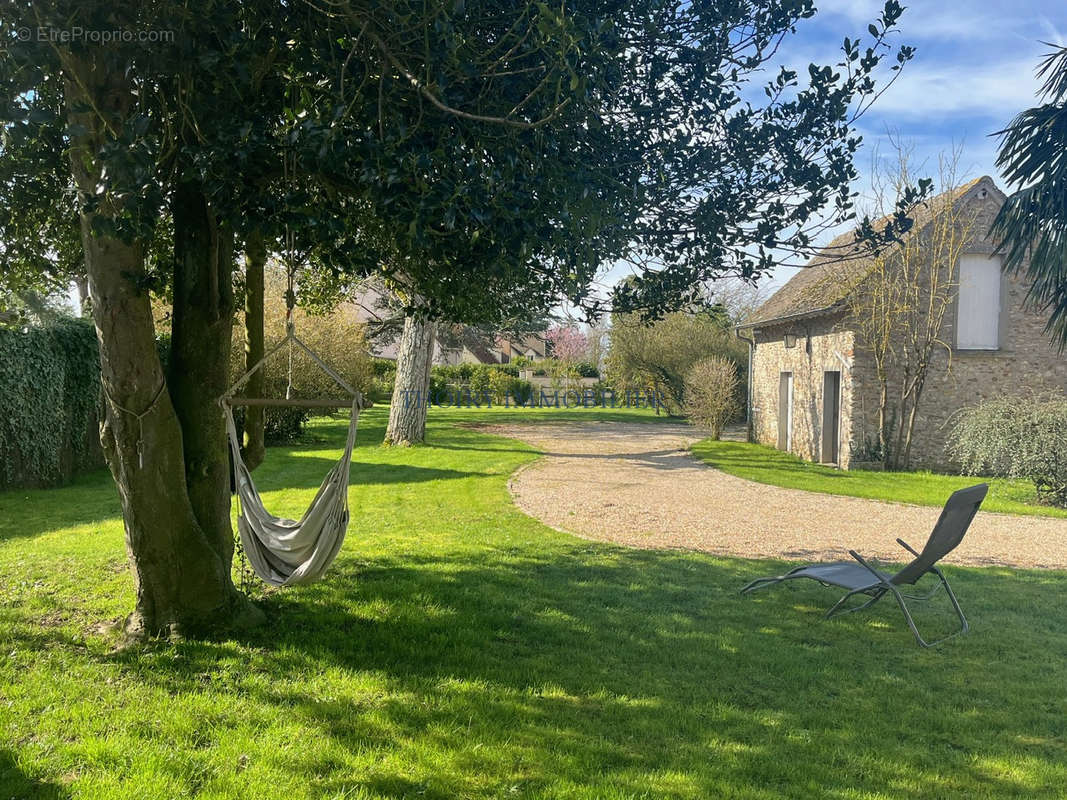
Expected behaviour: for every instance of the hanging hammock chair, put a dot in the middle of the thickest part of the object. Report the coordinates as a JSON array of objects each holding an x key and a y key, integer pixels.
[{"x": 286, "y": 552}]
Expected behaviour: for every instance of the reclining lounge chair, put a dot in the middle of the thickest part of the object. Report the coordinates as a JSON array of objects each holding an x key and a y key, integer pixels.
[{"x": 861, "y": 578}]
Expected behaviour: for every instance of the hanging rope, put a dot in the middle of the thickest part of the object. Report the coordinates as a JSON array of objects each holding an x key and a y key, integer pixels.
[
  {"x": 284, "y": 551},
  {"x": 139, "y": 417},
  {"x": 289, "y": 175}
]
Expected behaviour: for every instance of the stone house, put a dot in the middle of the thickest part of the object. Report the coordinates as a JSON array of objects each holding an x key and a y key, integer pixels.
[
  {"x": 814, "y": 390},
  {"x": 372, "y": 305}
]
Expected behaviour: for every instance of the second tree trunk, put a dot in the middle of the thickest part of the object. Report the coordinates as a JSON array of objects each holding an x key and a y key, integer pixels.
[{"x": 407, "y": 412}]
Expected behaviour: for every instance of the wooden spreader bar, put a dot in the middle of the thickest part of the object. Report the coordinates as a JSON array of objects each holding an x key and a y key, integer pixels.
[{"x": 281, "y": 402}]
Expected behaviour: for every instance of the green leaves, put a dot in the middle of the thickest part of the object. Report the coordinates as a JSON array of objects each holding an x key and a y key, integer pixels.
[
  {"x": 488, "y": 157},
  {"x": 49, "y": 386},
  {"x": 1031, "y": 227}
]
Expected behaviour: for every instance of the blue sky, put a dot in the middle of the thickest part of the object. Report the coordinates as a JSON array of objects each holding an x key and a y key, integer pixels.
[{"x": 973, "y": 71}]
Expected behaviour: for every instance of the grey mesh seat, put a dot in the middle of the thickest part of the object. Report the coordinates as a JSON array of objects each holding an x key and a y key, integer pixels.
[{"x": 859, "y": 577}]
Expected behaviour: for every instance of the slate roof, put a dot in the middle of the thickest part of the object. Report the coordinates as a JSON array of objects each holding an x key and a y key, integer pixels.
[{"x": 822, "y": 286}]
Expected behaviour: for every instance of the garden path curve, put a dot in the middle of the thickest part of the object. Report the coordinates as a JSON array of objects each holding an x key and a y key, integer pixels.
[{"x": 636, "y": 484}]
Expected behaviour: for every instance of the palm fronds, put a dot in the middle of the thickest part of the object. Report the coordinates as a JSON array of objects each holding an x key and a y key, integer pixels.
[{"x": 1033, "y": 221}]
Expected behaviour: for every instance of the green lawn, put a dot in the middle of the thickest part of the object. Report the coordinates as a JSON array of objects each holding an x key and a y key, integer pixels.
[
  {"x": 462, "y": 650},
  {"x": 756, "y": 462}
]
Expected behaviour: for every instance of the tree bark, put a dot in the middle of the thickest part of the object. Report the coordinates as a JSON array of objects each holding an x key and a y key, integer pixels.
[
  {"x": 883, "y": 420},
  {"x": 201, "y": 334},
  {"x": 82, "y": 284},
  {"x": 255, "y": 260},
  {"x": 407, "y": 412},
  {"x": 182, "y": 581}
]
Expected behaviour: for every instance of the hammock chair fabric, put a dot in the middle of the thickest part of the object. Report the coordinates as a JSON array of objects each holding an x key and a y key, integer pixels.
[{"x": 286, "y": 552}]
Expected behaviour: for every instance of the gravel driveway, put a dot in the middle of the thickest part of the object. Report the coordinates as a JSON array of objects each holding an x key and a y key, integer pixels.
[{"x": 635, "y": 484}]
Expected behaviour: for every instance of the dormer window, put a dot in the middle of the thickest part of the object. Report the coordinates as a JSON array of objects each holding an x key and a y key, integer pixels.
[{"x": 978, "y": 312}]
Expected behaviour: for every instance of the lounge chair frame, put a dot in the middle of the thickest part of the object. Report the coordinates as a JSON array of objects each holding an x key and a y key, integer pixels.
[{"x": 946, "y": 535}]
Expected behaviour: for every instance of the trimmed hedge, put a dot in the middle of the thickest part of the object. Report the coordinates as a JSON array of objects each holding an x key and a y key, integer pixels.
[
  {"x": 49, "y": 403},
  {"x": 497, "y": 381}
]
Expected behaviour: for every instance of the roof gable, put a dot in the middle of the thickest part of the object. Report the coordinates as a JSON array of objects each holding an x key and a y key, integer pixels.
[{"x": 822, "y": 286}]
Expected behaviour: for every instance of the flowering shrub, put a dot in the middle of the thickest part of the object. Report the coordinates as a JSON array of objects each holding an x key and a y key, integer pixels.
[{"x": 569, "y": 345}]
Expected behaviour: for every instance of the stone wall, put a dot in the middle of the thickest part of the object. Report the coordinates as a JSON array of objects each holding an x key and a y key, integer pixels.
[
  {"x": 821, "y": 345},
  {"x": 1025, "y": 361}
]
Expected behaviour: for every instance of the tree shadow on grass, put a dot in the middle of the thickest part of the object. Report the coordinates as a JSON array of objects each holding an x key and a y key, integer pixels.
[
  {"x": 15, "y": 783},
  {"x": 602, "y": 667},
  {"x": 91, "y": 497},
  {"x": 308, "y": 472}
]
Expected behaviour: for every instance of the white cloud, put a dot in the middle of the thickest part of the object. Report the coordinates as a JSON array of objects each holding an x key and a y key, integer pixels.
[
  {"x": 924, "y": 21},
  {"x": 997, "y": 89},
  {"x": 1051, "y": 32}
]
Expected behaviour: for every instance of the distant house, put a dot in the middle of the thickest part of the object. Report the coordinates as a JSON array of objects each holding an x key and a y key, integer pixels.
[
  {"x": 472, "y": 351},
  {"x": 372, "y": 306},
  {"x": 814, "y": 391},
  {"x": 530, "y": 346},
  {"x": 464, "y": 352}
]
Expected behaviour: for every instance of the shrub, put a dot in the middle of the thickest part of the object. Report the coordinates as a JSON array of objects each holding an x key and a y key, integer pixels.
[
  {"x": 284, "y": 424},
  {"x": 457, "y": 376},
  {"x": 461, "y": 373},
  {"x": 1015, "y": 437},
  {"x": 521, "y": 363},
  {"x": 438, "y": 386},
  {"x": 711, "y": 394},
  {"x": 49, "y": 403},
  {"x": 507, "y": 388},
  {"x": 604, "y": 389},
  {"x": 478, "y": 383},
  {"x": 563, "y": 374},
  {"x": 661, "y": 355},
  {"x": 382, "y": 381},
  {"x": 587, "y": 370},
  {"x": 383, "y": 368},
  {"x": 462, "y": 383}
]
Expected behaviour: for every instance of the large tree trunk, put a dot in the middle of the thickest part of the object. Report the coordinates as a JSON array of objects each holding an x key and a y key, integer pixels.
[
  {"x": 407, "y": 412},
  {"x": 182, "y": 579},
  {"x": 202, "y": 330},
  {"x": 255, "y": 260}
]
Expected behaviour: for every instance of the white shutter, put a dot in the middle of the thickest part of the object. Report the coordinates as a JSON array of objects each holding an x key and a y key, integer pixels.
[{"x": 978, "y": 314}]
